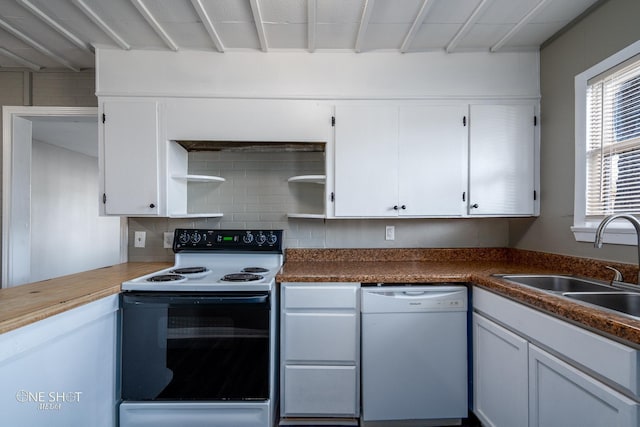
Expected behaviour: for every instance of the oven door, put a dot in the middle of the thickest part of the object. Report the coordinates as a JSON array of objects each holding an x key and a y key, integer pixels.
[{"x": 195, "y": 346}]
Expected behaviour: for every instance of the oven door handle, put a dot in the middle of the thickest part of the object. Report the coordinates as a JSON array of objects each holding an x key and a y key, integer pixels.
[{"x": 199, "y": 300}]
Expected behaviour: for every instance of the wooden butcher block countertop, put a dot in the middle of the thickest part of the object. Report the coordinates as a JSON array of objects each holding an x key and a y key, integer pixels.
[
  {"x": 25, "y": 304},
  {"x": 468, "y": 266}
]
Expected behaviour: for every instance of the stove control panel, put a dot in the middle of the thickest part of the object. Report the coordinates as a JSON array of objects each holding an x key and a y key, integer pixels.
[{"x": 191, "y": 239}]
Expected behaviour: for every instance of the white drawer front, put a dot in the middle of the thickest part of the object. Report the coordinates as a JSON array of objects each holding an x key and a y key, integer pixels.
[
  {"x": 320, "y": 391},
  {"x": 320, "y": 337},
  {"x": 325, "y": 296}
]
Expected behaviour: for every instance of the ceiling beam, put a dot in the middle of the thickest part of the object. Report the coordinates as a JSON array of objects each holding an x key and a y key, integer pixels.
[
  {"x": 364, "y": 23},
  {"x": 524, "y": 21},
  {"x": 20, "y": 60},
  {"x": 462, "y": 32},
  {"x": 95, "y": 18},
  {"x": 39, "y": 13},
  {"x": 148, "y": 16},
  {"x": 415, "y": 27},
  {"x": 312, "y": 9},
  {"x": 36, "y": 45},
  {"x": 257, "y": 19},
  {"x": 208, "y": 24}
]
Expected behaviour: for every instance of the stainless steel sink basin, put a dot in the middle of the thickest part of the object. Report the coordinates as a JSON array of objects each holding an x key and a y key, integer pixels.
[
  {"x": 624, "y": 302},
  {"x": 558, "y": 283}
]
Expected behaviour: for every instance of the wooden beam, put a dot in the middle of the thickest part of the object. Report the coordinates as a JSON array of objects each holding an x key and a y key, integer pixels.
[
  {"x": 467, "y": 26},
  {"x": 96, "y": 19},
  {"x": 524, "y": 21},
  {"x": 364, "y": 23},
  {"x": 417, "y": 23},
  {"x": 36, "y": 45},
  {"x": 19, "y": 59},
  {"x": 39, "y": 13},
  {"x": 208, "y": 24},
  {"x": 148, "y": 16},
  {"x": 257, "y": 18}
]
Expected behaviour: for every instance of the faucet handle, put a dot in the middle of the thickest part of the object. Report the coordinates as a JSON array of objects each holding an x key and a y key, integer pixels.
[{"x": 617, "y": 276}]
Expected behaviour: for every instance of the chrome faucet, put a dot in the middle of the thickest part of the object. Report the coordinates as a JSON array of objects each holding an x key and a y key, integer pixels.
[{"x": 600, "y": 231}]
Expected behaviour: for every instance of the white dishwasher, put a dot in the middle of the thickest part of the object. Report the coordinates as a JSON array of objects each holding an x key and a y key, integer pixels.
[{"x": 414, "y": 355}]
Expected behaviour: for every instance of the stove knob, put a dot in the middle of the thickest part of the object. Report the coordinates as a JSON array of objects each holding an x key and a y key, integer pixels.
[
  {"x": 261, "y": 238},
  {"x": 272, "y": 239},
  {"x": 184, "y": 237},
  {"x": 248, "y": 238},
  {"x": 195, "y": 237}
]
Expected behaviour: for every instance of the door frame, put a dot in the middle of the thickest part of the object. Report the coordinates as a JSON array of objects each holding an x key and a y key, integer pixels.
[{"x": 9, "y": 113}]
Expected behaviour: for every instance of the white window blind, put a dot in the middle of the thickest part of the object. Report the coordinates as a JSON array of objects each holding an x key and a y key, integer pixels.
[{"x": 613, "y": 141}]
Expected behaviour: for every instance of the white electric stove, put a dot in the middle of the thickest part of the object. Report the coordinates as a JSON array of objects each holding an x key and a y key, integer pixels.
[{"x": 199, "y": 338}]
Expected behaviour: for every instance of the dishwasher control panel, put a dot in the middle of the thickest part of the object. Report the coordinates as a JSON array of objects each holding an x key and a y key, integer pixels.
[{"x": 430, "y": 298}]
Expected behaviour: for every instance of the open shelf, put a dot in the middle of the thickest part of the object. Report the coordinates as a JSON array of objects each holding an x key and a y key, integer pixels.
[
  {"x": 199, "y": 178},
  {"x": 303, "y": 215},
  {"x": 314, "y": 179},
  {"x": 197, "y": 215}
]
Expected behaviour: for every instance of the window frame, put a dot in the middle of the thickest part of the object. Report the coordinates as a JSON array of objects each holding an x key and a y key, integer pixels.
[{"x": 584, "y": 228}]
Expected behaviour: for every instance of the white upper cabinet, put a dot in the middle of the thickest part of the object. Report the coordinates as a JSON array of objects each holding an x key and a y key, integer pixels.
[
  {"x": 407, "y": 160},
  {"x": 129, "y": 149},
  {"x": 366, "y": 161},
  {"x": 432, "y": 151},
  {"x": 502, "y": 155}
]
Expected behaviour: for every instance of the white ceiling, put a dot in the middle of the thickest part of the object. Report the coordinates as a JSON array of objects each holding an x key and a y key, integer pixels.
[{"x": 63, "y": 33}]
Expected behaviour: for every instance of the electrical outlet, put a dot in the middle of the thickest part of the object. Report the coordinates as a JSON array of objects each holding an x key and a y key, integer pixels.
[
  {"x": 168, "y": 239},
  {"x": 390, "y": 232},
  {"x": 139, "y": 239}
]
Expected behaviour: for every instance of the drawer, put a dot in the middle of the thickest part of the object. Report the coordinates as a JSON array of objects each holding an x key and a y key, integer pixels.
[
  {"x": 320, "y": 336},
  {"x": 320, "y": 391},
  {"x": 320, "y": 295}
]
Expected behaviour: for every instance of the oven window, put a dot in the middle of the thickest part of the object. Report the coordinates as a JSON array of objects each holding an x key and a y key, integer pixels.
[{"x": 195, "y": 347}]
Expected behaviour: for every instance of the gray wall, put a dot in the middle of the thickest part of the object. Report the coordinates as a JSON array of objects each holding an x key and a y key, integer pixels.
[{"x": 606, "y": 30}]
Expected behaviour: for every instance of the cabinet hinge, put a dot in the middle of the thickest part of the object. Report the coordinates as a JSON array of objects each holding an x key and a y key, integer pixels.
[
  {"x": 104, "y": 198},
  {"x": 535, "y": 120},
  {"x": 464, "y": 196},
  {"x": 333, "y": 120},
  {"x": 535, "y": 195},
  {"x": 464, "y": 121},
  {"x": 333, "y": 196},
  {"x": 104, "y": 117}
]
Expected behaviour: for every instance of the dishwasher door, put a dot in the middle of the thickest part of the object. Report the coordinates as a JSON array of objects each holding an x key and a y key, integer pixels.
[{"x": 414, "y": 355}]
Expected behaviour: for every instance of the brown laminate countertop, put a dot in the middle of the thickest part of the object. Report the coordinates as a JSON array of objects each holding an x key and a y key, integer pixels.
[
  {"x": 468, "y": 266},
  {"x": 25, "y": 304}
]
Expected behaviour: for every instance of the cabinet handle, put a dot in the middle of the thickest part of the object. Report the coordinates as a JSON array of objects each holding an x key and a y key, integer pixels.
[
  {"x": 152, "y": 206},
  {"x": 395, "y": 207},
  {"x": 474, "y": 206},
  {"x": 403, "y": 207}
]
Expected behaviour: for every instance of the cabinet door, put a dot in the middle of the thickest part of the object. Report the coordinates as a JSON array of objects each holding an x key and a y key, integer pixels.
[
  {"x": 432, "y": 153},
  {"x": 366, "y": 161},
  {"x": 501, "y": 160},
  {"x": 561, "y": 395},
  {"x": 334, "y": 392},
  {"x": 500, "y": 375},
  {"x": 130, "y": 162}
]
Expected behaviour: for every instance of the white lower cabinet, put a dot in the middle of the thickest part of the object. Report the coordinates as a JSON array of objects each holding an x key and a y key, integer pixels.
[
  {"x": 320, "y": 350},
  {"x": 588, "y": 381},
  {"x": 561, "y": 395},
  {"x": 501, "y": 375}
]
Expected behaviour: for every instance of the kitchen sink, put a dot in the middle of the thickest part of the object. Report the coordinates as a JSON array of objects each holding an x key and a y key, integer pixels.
[
  {"x": 558, "y": 283},
  {"x": 624, "y": 302}
]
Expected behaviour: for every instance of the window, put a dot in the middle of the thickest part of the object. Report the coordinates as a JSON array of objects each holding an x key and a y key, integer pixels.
[
  {"x": 608, "y": 145},
  {"x": 613, "y": 142}
]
